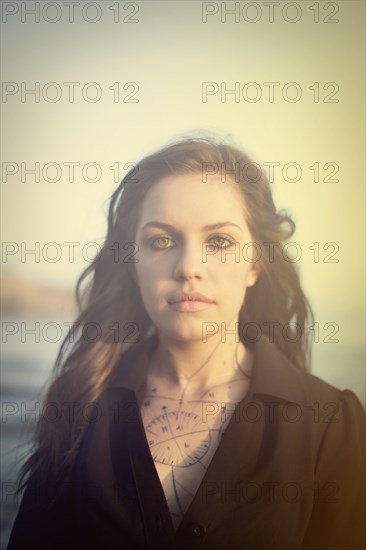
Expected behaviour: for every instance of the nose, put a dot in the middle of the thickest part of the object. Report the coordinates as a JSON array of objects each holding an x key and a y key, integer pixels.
[{"x": 189, "y": 263}]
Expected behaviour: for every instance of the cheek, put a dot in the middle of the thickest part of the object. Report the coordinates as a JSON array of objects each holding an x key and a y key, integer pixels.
[
  {"x": 151, "y": 268},
  {"x": 232, "y": 279},
  {"x": 149, "y": 279},
  {"x": 230, "y": 267}
]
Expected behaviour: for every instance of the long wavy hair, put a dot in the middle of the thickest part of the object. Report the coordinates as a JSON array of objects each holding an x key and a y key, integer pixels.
[{"x": 111, "y": 308}]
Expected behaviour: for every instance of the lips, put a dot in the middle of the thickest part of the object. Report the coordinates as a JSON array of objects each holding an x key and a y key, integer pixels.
[{"x": 188, "y": 297}]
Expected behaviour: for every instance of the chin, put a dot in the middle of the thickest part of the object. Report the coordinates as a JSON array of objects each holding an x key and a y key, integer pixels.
[{"x": 182, "y": 333}]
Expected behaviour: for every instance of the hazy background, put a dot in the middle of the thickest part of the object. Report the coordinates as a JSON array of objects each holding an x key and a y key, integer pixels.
[{"x": 168, "y": 50}]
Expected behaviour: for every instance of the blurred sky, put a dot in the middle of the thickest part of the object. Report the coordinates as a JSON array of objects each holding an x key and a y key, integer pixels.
[{"x": 169, "y": 52}]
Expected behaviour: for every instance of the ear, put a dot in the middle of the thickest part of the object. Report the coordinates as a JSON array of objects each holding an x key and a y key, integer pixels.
[{"x": 253, "y": 274}]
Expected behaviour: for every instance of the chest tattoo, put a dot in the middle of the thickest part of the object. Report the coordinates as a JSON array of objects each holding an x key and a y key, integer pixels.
[{"x": 183, "y": 434}]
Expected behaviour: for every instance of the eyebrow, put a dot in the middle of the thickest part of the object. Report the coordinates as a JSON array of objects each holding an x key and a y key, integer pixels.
[{"x": 211, "y": 227}]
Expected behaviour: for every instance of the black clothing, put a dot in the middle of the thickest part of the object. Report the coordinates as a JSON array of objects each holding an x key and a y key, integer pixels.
[{"x": 288, "y": 474}]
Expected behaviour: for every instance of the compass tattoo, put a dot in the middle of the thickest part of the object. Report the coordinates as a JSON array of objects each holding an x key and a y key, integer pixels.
[{"x": 183, "y": 434}]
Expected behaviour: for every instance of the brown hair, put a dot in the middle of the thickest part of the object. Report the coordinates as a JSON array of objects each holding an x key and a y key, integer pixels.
[{"x": 111, "y": 304}]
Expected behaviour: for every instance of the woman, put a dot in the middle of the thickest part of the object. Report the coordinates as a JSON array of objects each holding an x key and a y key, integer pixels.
[{"x": 184, "y": 415}]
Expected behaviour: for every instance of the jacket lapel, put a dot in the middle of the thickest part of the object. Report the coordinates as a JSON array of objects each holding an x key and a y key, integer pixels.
[
  {"x": 128, "y": 442},
  {"x": 240, "y": 452}
]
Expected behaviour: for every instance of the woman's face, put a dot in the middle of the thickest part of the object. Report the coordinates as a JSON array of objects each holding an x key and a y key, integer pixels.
[{"x": 191, "y": 237}]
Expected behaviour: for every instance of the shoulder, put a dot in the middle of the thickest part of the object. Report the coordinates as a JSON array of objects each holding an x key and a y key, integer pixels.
[
  {"x": 274, "y": 375},
  {"x": 317, "y": 388},
  {"x": 344, "y": 401},
  {"x": 342, "y": 416},
  {"x": 320, "y": 409}
]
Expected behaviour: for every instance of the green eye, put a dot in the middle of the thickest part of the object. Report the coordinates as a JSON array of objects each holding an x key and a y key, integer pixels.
[
  {"x": 161, "y": 243},
  {"x": 221, "y": 242}
]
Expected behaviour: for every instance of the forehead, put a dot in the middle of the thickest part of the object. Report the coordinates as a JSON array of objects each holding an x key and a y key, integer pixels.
[{"x": 186, "y": 199}]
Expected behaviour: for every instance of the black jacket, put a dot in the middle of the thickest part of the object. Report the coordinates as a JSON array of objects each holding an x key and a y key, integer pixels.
[{"x": 288, "y": 473}]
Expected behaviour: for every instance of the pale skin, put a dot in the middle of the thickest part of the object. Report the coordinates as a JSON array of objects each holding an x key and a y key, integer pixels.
[{"x": 197, "y": 374}]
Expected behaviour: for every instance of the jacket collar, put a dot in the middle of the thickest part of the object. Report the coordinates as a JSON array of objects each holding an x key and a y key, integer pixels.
[{"x": 273, "y": 375}]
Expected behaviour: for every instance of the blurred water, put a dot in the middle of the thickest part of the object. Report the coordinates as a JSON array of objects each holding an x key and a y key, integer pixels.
[
  {"x": 26, "y": 363},
  {"x": 27, "y": 360},
  {"x": 342, "y": 365}
]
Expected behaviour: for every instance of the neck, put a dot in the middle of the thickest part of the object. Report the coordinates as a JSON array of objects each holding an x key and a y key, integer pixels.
[{"x": 197, "y": 362}]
